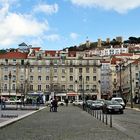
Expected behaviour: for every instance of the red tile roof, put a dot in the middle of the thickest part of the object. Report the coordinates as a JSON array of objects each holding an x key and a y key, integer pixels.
[
  {"x": 36, "y": 48},
  {"x": 51, "y": 53},
  {"x": 13, "y": 55}
]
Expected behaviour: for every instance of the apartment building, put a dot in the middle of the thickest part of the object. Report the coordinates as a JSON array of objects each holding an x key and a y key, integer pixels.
[{"x": 60, "y": 73}]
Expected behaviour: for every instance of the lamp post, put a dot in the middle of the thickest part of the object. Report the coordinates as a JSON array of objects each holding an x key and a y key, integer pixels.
[
  {"x": 131, "y": 96},
  {"x": 119, "y": 68},
  {"x": 83, "y": 94},
  {"x": 10, "y": 83}
]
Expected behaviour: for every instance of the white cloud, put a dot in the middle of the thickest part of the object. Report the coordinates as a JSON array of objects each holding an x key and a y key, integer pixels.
[
  {"x": 74, "y": 36},
  {"x": 121, "y": 6},
  {"x": 53, "y": 37},
  {"x": 47, "y": 9},
  {"x": 15, "y": 26}
]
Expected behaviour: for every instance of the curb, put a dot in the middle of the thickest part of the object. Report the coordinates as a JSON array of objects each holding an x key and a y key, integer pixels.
[
  {"x": 8, "y": 122},
  {"x": 137, "y": 109}
]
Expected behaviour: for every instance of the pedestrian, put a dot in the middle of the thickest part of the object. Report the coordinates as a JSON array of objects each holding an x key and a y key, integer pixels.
[
  {"x": 66, "y": 101},
  {"x": 3, "y": 106},
  {"x": 55, "y": 104},
  {"x": 51, "y": 105}
]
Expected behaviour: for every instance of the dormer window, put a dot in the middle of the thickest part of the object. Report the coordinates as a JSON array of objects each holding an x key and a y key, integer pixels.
[{"x": 39, "y": 56}]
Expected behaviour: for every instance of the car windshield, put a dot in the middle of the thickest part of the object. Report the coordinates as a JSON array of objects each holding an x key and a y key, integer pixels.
[
  {"x": 112, "y": 103},
  {"x": 118, "y": 100}
]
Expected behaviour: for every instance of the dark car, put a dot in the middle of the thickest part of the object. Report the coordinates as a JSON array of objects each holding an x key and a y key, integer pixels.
[
  {"x": 96, "y": 105},
  {"x": 112, "y": 107}
]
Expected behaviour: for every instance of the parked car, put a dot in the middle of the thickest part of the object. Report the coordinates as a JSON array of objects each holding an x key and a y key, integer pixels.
[
  {"x": 112, "y": 107},
  {"x": 61, "y": 103},
  {"x": 119, "y": 100},
  {"x": 88, "y": 103},
  {"x": 77, "y": 102},
  {"x": 97, "y": 104}
]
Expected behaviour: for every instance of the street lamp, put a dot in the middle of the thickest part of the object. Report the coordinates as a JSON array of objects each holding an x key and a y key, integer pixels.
[
  {"x": 83, "y": 94},
  {"x": 10, "y": 75},
  {"x": 131, "y": 96},
  {"x": 119, "y": 68}
]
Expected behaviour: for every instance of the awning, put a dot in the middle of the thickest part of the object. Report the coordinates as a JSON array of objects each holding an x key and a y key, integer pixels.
[{"x": 72, "y": 94}]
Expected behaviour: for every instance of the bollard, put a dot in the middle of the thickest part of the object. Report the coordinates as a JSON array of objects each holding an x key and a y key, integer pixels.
[
  {"x": 97, "y": 114},
  {"x": 103, "y": 117},
  {"x": 93, "y": 113},
  {"x": 100, "y": 115},
  {"x": 110, "y": 120},
  {"x": 106, "y": 119}
]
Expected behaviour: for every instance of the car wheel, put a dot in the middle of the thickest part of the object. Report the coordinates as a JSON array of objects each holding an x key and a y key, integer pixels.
[{"x": 121, "y": 112}]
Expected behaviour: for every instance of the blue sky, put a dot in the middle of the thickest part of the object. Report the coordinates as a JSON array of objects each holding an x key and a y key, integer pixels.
[{"x": 57, "y": 24}]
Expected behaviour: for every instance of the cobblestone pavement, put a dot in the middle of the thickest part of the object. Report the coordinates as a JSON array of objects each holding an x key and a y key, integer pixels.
[{"x": 69, "y": 123}]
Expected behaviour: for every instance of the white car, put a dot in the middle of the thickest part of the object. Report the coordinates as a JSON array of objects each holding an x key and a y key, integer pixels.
[
  {"x": 77, "y": 102},
  {"x": 120, "y": 100},
  {"x": 61, "y": 103}
]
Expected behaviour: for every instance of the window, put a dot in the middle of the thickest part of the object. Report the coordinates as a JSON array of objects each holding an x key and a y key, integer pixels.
[
  {"x": 31, "y": 78},
  {"x": 55, "y": 70},
  {"x": 31, "y": 87},
  {"x": 87, "y": 78},
  {"x": 5, "y": 77},
  {"x": 87, "y": 87},
  {"x": 14, "y": 77},
  {"x": 39, "y": 87},
  {"x": 71, "y": 78},
  {"x": 71, "y": 87},
  {"x": 14, "y": 69},
  {"x": 31, "y": 69},
  {"x": 71, "y": 70},
  {"x": 137, "y": 76},
  {"x": 13, "y": 87},
  {"x": 137, "y": 84},
  {"x": 55, "y": 62},
  {"x": 94, "y": 87},
  {"x": 14, "y": 61},
  {"x": 63, "y": 87},
  {"x": 63, "y": 78},
  {"x": 39, "y": 69},
  {"x": 80, "y": 87},
  {"x": 80, "y": 78},
  {"x": 21, "y": 86},
  {"x": 63, "y": 62},
  {"x": 22, "y": 62},
  {"x": 47, "y": 69},
  {"x": 55, "y": 78},
  {"x": 39, "y": 78},
  {"x": 5, "y": 68},
  {"x": 80, "y": 70},
  {"x": 55, "y": 87},
  {"x": 87, "y": 70},
  {"x": 94, "y": 78},
  {"x": 63, "y": 70},
  {"x": 47, "y": 87},
  {"x": 6, "y": 61},
  {"x": 21, "y": 77},
  {"x": 47, "y": 78},
  {"x": 94, "y": 70},
  {"x": 5, "y": 87},
  {"x": 21, "y": 69}
]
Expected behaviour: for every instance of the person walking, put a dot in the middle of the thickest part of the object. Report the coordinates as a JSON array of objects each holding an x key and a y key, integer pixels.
[
  {"x": 66, "y": 101},
  {"x": 55, "y": 104},
  {"x": 51, "y": 105}
]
